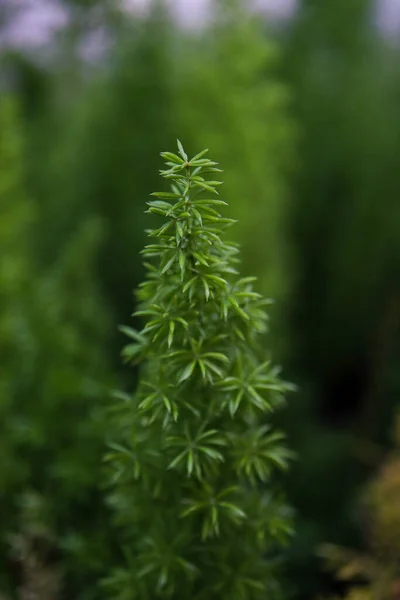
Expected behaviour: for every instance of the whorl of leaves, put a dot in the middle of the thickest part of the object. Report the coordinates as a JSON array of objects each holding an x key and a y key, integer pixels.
[{"x": 192, "y": 466}]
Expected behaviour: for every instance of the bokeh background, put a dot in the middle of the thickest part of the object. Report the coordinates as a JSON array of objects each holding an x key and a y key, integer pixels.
[{"x": 300, "y": 103}]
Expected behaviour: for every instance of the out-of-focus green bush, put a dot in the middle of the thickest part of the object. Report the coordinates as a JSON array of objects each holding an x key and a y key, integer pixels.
[
  {"x": 105, "y": 156},
  {"x": 345, "y": 232},
  {"x": 54, "y": 376},
  {"x": 218, "y": 88},
  {"x": 374, "y": 575},
  {"x": 229, "y": 98}
]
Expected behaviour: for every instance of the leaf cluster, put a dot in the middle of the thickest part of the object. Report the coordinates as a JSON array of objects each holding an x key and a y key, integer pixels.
[{"x": 194, "y": 451}]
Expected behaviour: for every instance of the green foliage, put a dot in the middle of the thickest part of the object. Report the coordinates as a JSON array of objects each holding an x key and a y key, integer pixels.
[
  {"x": 325, "y": 244},
  {"x": 345, "y": 234},
  {"x": 230, "y": 98},
  {"x": 194, "y": 454},
  {"x": 345, "y": 283},
  {"x": 14, "y": 274},
  {"x": 54, "y": 369},
  {"x": 104, "y": 158},
  {"x": 374, "y": 574}
]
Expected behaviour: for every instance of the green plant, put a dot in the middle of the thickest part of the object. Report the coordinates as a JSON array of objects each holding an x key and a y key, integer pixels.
[
  {"x": 53, "y": 327},
  {"x": 194, "y": 455}
]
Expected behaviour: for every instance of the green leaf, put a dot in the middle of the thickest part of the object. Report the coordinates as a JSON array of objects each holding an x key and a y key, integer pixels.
[
  {"x": 189, "y": 284},
  {"x": 214, "y": 454},
  {"x": 179, "y": 232},
  {"x": 119, "y": 448},
  {"x": 206, "y": 288},
  {"x": 178, "y": 459},
  {"x": 160, "y": 204},
  {"x": 205, "y": 186},
  {"x": 199, "y": 155},
  {"x": 236, "y": 512},
  {"x": 218, "y": 280},
  {"x": 189, "y": 464},
  {"x": 171, "y": 333},
  {"x": 168, "y": 265},
  {"x": 182, "y": 262},
  {"x": 200, "y": 258},
  {"x": 187, "y": 371},
  {"x": 217, "y": 356},
  {"x": 209, "y": 202},
  {"x": 172, "y": 157},
  {"x": 132, "y": 333},
  {"x": 181, "y": 151},
  {"x": 167, "y": 195},
  {"x": 202, "y": 368},
  {"x": 198, "y": 216},
  {"x": 214, "y": 368},
  {"x": 237, "y": 308},
  {"x": 183, "y": 322},
  {"x": 235, "y": 402}
]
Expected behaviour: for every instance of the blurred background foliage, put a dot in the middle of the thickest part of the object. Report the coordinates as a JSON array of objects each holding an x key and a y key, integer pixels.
[
  {"x": 373, "y": 572},
  {"x": 304, "y": 118}
]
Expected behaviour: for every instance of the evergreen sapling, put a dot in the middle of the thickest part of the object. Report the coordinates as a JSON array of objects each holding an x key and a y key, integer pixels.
[{"x": 194, "y": 462}]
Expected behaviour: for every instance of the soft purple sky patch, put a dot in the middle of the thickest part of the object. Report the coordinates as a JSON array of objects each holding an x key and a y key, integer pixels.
[
  {"x": 277, "y": 9},
  {"x": 194, "y": 12},
  {"x": 36, "y": 21},
  {"x": 188, "y": 12},
  {"x": 388, "y": 16}
]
